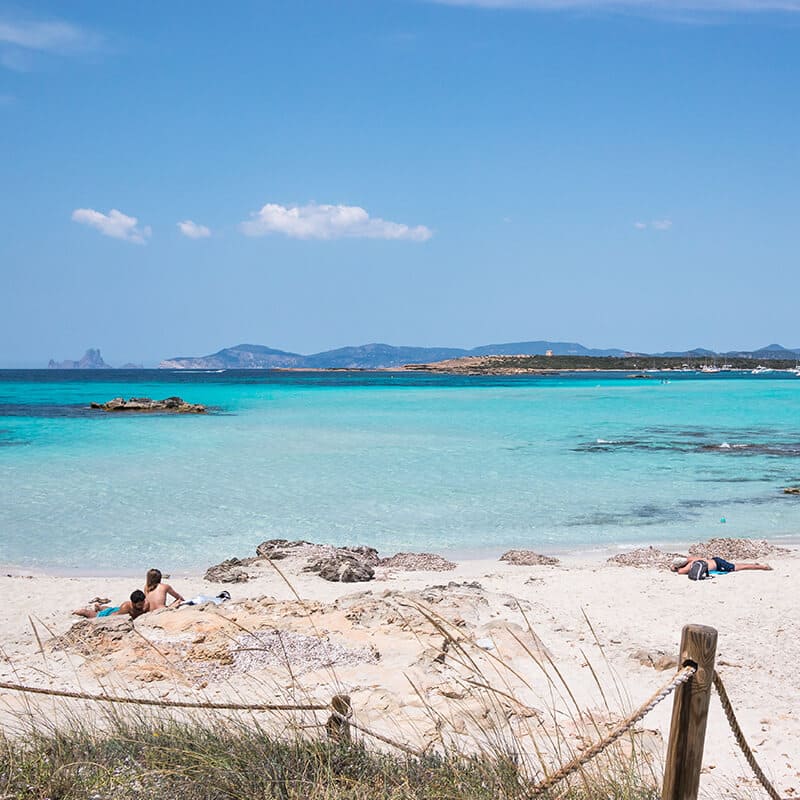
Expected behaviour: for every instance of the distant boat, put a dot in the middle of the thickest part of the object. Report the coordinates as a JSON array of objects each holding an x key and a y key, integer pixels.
[
  {"x": 760, "y": 370},
  {"x": 710, "y": 368}
]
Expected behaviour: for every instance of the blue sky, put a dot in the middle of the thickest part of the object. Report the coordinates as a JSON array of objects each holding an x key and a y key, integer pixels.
[{"x": 180, "y": 177}]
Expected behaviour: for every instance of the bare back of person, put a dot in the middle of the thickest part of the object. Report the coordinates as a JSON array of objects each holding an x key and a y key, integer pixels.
[
  {"x": 157, "y": 592},
  {"x": 157, "y": 596}
]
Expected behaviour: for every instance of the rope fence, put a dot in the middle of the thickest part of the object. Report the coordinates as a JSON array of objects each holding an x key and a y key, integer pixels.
[
  {"x": 573, "y": 766},
  {"x": 740, "y": 740},
  {"x": 106, "y": 698},
  {"x": 685, "y": 749}
]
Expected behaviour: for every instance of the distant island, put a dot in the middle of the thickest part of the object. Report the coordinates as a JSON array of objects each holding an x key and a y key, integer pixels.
[
  {"x": 385, "y": 356},
  {"x": 91, "y": 360},
  {"x": 638, "y": 366}
]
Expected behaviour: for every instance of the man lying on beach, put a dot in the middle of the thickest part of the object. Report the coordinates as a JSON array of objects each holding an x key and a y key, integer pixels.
[
  {"x": 715, "y": 564},
  {"x": 156, "y": 592},
  {"x": 135, "y": 607}
]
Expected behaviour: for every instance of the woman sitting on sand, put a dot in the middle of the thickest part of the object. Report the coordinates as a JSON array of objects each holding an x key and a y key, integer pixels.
[{"x": 156, "y": 592}]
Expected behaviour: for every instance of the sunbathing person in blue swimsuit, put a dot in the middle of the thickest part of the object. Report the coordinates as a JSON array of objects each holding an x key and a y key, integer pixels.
[
  {"x": 715, "y": 564},
  {"x": 134, "y": 607}
]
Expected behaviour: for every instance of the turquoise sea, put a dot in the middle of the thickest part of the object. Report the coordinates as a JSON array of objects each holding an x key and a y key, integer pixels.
[{"x": 399, "y": 461}]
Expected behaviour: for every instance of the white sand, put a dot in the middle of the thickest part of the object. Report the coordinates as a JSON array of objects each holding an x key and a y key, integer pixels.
[{"x": 757, "y": 615}]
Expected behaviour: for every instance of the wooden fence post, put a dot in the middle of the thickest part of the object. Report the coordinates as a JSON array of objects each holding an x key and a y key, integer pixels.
[
  {"x": 689, "y": 715},
  {"x": 337, "y": 726}
]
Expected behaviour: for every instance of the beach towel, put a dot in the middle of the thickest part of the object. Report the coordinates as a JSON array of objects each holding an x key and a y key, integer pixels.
[{"x": 205, "y": 598}]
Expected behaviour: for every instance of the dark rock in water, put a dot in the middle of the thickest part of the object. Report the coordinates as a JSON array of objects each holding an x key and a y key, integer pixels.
[
  {"x": 341, "y": 567},
  {"x": 792, "y": 490},
  {"x": 527, "y": 558},
  {"x": 146, "y": 404},
  {"x": 427, "y": 562},
  {"x": 228, "y": 571}
]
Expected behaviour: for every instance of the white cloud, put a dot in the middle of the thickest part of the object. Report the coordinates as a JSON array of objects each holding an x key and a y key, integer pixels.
[
  {"x": 656, "y": 225},
  {"x": 114, "y": 224},
  {"x": 635, "y": 5},
  {"x": 22, "y": 40},
  {"x": 50, "y": 37},
  {"x": 194, "y": 231},
  {"x": 314, "y": 221}
]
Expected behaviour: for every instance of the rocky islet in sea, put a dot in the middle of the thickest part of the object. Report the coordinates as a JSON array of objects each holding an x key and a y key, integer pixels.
[{"x": 175, "y": 405}]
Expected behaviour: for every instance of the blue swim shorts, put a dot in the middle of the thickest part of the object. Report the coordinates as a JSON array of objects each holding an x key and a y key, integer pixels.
[
  {"x": 106, "y": 611},
  {"x": 723, "y": 565}
]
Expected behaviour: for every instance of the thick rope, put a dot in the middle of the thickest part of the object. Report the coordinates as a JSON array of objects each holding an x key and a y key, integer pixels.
[
  {"x": 105, "y": 698},
  {"x": 740, "y": 740},
  {"x": 573, "y": 766},
  {"x": 347, "y": 718}
]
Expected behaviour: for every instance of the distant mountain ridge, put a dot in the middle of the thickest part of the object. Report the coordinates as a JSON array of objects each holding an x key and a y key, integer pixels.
[{"x": 385, "y": 356}]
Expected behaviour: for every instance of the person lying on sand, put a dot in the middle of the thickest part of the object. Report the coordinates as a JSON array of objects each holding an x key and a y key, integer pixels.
[
  {"x": 135, "y": 607},
  {"x": 156, "y": 592},
  {"x": 715, "y": 564}
]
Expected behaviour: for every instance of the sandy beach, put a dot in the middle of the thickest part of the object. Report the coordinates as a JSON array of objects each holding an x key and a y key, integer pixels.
[{"x": 586, "y": 615}]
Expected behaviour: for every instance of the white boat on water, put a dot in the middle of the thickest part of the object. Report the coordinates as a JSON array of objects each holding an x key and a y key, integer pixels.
[
  {"x": 761, "y": 370},
  {"x": 710, "y": 368}
]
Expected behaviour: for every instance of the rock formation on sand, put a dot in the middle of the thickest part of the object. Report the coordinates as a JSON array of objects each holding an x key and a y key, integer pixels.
[
  {"x": 411, "y": 562},
  {"x": 644, "y": 557},
  {"x": 527, "y": 558},
  {"x": 372, "y": 642},
  {"x": 736, "y": 549},
  {"x": 228, "y": 571},
  {"x": 173, "y": 405},
  {"x": 337, "y": 564}
]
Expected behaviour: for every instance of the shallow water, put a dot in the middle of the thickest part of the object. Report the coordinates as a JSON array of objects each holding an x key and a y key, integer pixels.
[{"x": 395, "y": 460}]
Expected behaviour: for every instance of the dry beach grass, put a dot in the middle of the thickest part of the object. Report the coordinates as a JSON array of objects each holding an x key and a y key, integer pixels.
[{"x": 494, "y": 672}]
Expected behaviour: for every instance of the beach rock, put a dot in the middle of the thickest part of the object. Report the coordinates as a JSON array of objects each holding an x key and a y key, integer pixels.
[
  {"x": 276, "y": 549},
  {"x": 341, "y": 567},
  {"x": 95, "y": 636},
  {"x": 645, "y": 557},
  {"x": 228, "y": 571},
  {"x": 657, "y": 659},
  {"x": 424, "y": 562},
  {"x": 736, "y": 549},
  {"x": 146, "y": 404},
  {"x": 527, "y": 558}
]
